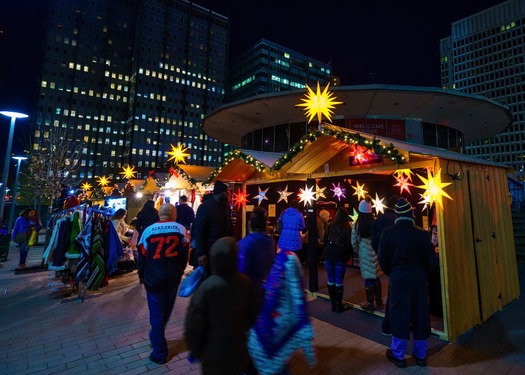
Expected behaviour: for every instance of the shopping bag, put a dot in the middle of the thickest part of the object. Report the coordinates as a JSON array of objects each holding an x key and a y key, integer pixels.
[
  {"x": 190, "y": 283},
  {"x": 33, "y": 237}
]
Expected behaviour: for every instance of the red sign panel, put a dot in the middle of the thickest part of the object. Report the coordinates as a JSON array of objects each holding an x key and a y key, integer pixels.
[{"x": 379, "y": 127}]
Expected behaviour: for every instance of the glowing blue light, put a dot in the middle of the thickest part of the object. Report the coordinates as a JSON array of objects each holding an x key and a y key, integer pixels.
[{"x": 13, "y": 114}]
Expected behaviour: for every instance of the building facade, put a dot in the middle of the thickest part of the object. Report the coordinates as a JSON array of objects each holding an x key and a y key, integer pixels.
[
  {"x": 128, "y": 79},
  {"x": 484, "y": 55},
  {"x": 270, "y": 67}
]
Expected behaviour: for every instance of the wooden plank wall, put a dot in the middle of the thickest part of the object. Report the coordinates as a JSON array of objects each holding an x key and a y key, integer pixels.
[
  {"x": 457, "y": 261},
  {"x": 478, "y": 277}
]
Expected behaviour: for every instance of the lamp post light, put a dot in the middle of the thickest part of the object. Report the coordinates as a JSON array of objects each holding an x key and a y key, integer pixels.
[
  {"x": 5, "y": 173},
  {"x": 13, "y": 201}
]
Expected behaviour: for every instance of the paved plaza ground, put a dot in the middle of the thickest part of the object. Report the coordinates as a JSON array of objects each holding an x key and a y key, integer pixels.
[{"x": 47, "y": 329}]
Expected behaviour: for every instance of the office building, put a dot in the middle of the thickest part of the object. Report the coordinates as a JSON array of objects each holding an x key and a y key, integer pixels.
[
  {"x": 484, "y": 55},
  {"x": 128, "y": 79},
  {"x": 269, "y": 67}
]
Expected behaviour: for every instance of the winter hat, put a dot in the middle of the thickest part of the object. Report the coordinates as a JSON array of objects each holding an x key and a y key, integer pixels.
[
  {"x": 403, "y": 208},
  {"x": 365, "y": 207},
  {"x": 219, "y": 187}
]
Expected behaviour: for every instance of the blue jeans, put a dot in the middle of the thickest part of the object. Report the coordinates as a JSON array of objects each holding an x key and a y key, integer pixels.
[
  {"x": 160, "y": 306},
  {"x": 23, "y": 248},
  {"x": 335, "y": 272}
]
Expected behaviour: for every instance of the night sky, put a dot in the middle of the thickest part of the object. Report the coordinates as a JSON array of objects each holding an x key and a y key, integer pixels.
[{"x": 383, "y": 42}]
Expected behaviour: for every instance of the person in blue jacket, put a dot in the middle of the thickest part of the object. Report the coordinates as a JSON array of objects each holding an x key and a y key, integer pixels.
[
  {"x": 27, "y": 222},
  {"x": 292, "y": 225}
]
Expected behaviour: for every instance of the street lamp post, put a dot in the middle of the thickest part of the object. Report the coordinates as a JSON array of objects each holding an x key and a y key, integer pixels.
[
  {"x": 5, "y": 173},
  {"x": 13, "y": 201}
]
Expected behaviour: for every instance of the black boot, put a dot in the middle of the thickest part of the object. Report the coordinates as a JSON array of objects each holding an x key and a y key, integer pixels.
[
  {"x": 378, "y": 292},
  {"x": 331, "y": 293},
  {"x": 369, "y": 305},
  {"x": 339, "y": 306}
]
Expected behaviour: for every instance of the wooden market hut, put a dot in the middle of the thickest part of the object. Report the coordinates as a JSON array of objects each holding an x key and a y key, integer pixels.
[{"x": 478, "y": 267}]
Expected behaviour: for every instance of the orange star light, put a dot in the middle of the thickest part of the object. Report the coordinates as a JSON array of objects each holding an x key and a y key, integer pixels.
[{"x": 240, "y": 198}]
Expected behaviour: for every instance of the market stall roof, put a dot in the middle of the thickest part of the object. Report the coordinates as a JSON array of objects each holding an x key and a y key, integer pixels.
[
  {"x": 325, "y": 147},
  {"x": 314, "y": 155},
  {"x": 243, "y": 165},
  {"x": 150, "y": 186},
  {"x": 476, "y": 116},
  {"x": 197, "y": 172},
  {"x": 426, "y": 151}
]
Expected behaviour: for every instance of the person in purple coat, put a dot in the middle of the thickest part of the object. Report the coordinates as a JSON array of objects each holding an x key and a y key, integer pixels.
[
  {"x": 292, "y": 224},
  {"x": 257, "y": 252}
]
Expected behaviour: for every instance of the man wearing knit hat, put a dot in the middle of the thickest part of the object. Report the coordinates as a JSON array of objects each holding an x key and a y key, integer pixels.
[
  {"x": 407, "y": 256},
  {"x": 212, "y": 221}
]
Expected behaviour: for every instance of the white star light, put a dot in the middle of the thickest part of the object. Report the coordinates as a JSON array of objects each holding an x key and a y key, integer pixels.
[
  {"x": 378, "y": 204},
  {"x": 283, "y": 195},
  {"x": 306, "y": 195}
]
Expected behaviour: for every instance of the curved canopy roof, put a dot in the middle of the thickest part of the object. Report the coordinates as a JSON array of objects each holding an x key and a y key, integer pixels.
[{"x": 476, "y": 116}]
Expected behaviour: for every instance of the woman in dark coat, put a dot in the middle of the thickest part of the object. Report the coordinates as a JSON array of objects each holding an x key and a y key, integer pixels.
[
  {"x": 147, "y": 215},
  {"x": 407, "y": 256},
  {"x": 221, "y": 311},
  {"x": 337, "y": 251}
]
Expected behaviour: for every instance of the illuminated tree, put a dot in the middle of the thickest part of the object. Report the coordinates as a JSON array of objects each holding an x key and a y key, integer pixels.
[{"x": 52, "y": 161}]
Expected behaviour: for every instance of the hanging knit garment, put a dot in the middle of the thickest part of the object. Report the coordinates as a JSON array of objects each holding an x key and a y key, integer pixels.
[{"x": 283, "y": 326}]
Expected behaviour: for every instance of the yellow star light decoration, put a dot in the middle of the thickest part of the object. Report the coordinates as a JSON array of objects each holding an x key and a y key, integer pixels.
[
  {"x": 128, "y": 172},
  {"x": 283, "y": 195},
  {"x": 103, "y": 181},
  {"x": 86, "y": 186},
  {"x": 354, "y": 216},
  {"x": 178, "y": 154},
  {"x": 306, "y": 195},
  {"x": 359, "y": 190},
  {"x": 319, "y": 192},
  {"x": 406, "y": 172},
  {"x": 319, "y": 104},
  {"x": 378, "y": 204},
  {"x": 434, "y": 188}
]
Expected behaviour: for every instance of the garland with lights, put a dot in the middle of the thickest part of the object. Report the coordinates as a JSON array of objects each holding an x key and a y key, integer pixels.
[
  {"x": 184, "y": 175},
  {"x": 236, "y": 154},
  {"x": 375, "y": 145}
]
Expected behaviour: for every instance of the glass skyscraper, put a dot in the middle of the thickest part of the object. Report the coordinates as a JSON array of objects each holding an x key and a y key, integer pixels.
[
  {"x": 128, "y": 79},
  {"x": 484, "y": 55}
]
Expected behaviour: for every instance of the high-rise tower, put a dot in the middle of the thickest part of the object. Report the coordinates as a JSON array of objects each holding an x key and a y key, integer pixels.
[
  {"x": 484, "y": 55},
  {"x": 130, "y": 78}
]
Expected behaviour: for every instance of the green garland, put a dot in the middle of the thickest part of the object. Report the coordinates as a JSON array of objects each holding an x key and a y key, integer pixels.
[
  {"x": 388, "y": 151},
  {"x": 236, "y": 154},
  {"x": 184, "y": 175}
]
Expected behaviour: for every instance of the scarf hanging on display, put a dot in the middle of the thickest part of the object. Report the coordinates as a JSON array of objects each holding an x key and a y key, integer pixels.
[{"x": 283, "y": 326}]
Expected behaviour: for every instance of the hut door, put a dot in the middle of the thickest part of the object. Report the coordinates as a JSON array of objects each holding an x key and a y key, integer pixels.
[{"x": 484, "y": 229}]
